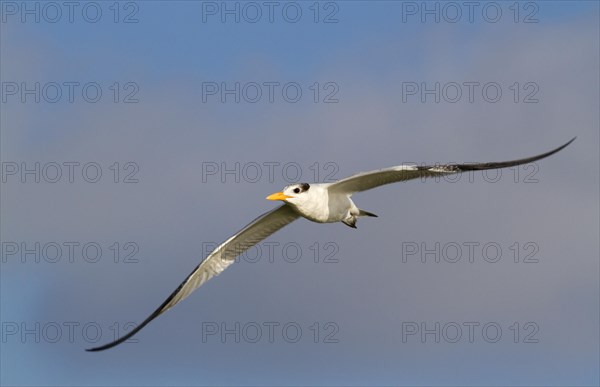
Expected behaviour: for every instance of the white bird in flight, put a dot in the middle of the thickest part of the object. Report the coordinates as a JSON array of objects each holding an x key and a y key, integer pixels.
[{"x": 321, "y": 203}]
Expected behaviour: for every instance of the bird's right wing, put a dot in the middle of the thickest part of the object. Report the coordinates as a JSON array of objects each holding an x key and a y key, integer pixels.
[
  {"x": 217, "y": 261},
  {"x": 368, "y": 180}
]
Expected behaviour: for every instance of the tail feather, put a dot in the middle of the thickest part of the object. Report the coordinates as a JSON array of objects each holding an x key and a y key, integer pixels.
[{"x": 366, "y": 213}]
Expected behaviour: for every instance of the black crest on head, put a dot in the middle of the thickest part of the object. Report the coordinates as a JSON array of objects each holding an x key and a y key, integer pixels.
[{"x": 305, "y": 186}]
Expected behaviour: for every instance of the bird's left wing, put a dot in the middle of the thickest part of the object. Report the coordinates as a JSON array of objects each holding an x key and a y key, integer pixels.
[
  {"x": 368, "y": 180},
  {"x": 217, "y": 261}
]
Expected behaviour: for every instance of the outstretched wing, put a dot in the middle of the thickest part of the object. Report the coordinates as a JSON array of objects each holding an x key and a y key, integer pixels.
[
  {"x": 223, "y": 256},
  {"x": 368, "y": 180}
]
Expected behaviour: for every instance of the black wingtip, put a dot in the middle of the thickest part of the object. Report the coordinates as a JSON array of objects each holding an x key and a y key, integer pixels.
[
  {"x": 506, "y": 164},
  {"x": 559, "y": 148},
  {"x": 556, "y": 150},
  {"x": 570, "y": 141},
  {"x": 161, "y": 309},
  {"x": 134, "y": 330},
  {"x": 114, "y": 343}
]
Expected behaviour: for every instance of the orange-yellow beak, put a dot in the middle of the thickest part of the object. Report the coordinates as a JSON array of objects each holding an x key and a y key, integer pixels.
[{"x": 278, "y": 196}]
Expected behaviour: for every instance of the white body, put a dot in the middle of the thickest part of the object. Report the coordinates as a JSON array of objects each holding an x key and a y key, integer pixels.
[{"x": 322, "y": 206}]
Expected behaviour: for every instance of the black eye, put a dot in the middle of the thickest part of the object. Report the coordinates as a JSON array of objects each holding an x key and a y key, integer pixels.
[{"x": 296, "y": 190}]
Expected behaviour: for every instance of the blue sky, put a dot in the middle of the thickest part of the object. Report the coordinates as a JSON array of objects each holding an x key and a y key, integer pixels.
[{"x": 354, "y": 311}]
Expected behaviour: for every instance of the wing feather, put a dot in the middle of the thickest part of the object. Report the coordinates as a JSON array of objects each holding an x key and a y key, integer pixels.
[
  {"x": 368, "y": 180},
  {"x": 217, "y": 261}
]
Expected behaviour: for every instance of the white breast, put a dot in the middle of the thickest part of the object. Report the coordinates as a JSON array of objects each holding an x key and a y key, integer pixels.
[{"x": 322, "y": 207}]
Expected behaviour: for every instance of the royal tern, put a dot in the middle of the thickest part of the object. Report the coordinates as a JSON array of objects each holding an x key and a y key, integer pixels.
[{"x": 321, "y": 203}]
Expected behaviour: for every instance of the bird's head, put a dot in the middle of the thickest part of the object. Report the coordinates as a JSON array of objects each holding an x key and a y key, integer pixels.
[{"x": 293, "y": 194}]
